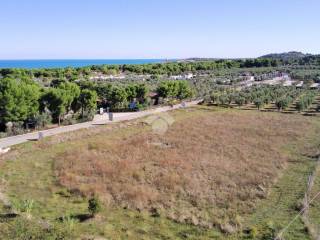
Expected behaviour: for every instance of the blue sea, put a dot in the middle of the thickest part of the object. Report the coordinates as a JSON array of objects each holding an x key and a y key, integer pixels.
[{"x": 62, "y": 63}]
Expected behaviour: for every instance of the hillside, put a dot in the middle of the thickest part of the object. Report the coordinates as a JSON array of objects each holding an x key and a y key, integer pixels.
[
  {"x": 287, "y": 55},
  {"x": 214, "y": 174}
]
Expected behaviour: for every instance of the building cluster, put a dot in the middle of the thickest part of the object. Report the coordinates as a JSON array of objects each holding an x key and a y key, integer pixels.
[
  {"x": 182, "y": 77},
  {"x": 102, "y": 77}
]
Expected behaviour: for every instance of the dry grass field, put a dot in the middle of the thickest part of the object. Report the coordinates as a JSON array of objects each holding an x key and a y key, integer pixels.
[
  {"x": 208, "y": 169},
  {"x": 217, "y": 173}
]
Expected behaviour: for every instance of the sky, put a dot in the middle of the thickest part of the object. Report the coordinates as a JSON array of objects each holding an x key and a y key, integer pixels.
[{"x": 123, "y": 29}]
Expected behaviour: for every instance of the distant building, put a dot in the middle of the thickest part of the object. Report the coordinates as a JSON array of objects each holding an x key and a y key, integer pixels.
[
  {"x": 287, "y": 83},
  {"x": 100, "y": 76},
  {"x": 189, "y": 76},
  {"x": 176, "y": 77},
  {"x": 181, "y": 77},
  {"x": 314, "y": 86},
  {"x": 299, "y": 85}
]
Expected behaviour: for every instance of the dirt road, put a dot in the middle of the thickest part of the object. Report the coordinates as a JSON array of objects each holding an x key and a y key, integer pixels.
[{"x": 99, "y": 119}]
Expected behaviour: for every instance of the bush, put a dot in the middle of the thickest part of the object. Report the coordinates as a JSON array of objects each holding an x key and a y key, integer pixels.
[
  {"x": 305, "y": 101},
  {"x": 253, "y": 232},
  {"x": 69, "y": 223},
  {"x": 3, "y": 135},
  {"x": 27, "y": 206},
  {"x": 270, "y": 232},
  {"x": 42, "y": 120},
  {"x": 258, "y": 103},
  {"x": 94, "y": 206},
  {"x": 283, "y": 103},
  {"x": 16, "y": 129},
  {"x": 69, "y": 121}
]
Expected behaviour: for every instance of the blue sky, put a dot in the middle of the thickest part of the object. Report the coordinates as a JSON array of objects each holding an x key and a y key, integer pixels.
[{"x": 44, "y": 29}]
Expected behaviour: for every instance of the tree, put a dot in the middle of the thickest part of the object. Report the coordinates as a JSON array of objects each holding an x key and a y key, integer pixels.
[
  {"x": 18, "y": 100},
  {"x": 240, "y": 100},
  {"x": 56, "y": 101},
  {"x": 223, "y": 99},
  {"x": 141, "y": 92},
  {"x": 104, "y": 92},
  {"x": 131, "y": 92},
  {"x": 164, "y": 89},
  {"x": 184, "y": 90},
  {"x": 300, "y": 106},
  {"x": 88, "y": 101},
  {"x": 214, "y": 97},
  {"x": 118, "y": 96},
  {"x": 71, "y": 93},
  {"x": 283, "y": 103},
  {"x": 258, "y": 103},
  {"x": 174, "y": 89}
]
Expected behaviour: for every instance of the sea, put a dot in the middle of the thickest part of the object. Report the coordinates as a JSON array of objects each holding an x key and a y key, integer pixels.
[{"x": 63, "y": 63}]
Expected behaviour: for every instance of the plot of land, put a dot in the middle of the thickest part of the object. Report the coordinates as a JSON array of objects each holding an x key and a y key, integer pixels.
[
  {"x": 210, "y": 169},
  {"x": 206, "y": 168}
]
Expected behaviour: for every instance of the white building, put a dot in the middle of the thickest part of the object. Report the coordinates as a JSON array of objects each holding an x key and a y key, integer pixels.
[
  {"x": 314, "y": 86},
  {"x": 287, "y": 83},
  {"x": 180, "y": 77},
  {"x": 300, "y": 84},
  {"x": 189, "y": 76}
]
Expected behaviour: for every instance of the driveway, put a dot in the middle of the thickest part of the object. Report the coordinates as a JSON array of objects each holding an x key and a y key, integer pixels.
[{"x": 98, "y": 120}]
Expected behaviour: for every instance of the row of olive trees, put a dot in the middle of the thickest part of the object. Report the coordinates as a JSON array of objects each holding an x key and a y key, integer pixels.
[
  {"x": 305, "y": 101},
  {"x": 257, "y": 95}
]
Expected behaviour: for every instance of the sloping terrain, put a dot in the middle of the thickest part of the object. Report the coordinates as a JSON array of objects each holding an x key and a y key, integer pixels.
[
  {"x": 205, "y": 170},
  {"x": 215, "y": 172}
]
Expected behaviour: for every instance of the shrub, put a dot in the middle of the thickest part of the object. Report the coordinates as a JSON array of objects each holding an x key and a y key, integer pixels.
[
  {"x": 305, "y": 101},
  {"x": 258, "y": 103},
  {"x": 69, "y": 121},
  {"x": 27, "y": 206},
  {"x": 94, "y": 206},
  {"x": 253, "y": 232},
  {"x": 240, "y": 101},
  {"x": 69, "y": 222},
  {"x": 270, "y": 232},
  {"x": 283, "y": 103},
  {"x": 16, "y": 128},
  {"x": 42, "y": 120},
  {"x": 29, "y": 229}
]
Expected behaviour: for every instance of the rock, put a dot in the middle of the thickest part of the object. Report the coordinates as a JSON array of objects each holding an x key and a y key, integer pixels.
[
  {"x": 4, "y": 150},
  {"x": 227, "y": 228}
]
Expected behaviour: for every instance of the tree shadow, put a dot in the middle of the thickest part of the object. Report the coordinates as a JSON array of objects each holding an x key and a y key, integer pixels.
[
  {"x": 79, "y": 217},
  {"x": 82, "y": 217},
  {"x": 32, "y": 139},
  {"x": 309, "y": 114},
  {"x": 8, "y": 216},
  {"x": 99, "y": 124}
]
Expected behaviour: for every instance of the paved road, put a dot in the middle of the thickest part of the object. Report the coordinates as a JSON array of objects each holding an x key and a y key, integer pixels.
[{"x": 118, "y": 117}]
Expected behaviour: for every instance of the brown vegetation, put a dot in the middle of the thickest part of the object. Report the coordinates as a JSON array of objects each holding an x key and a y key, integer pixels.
[{"x": 207, "y": 169}]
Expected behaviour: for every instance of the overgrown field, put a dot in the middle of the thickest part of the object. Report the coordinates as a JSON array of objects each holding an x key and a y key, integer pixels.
[{"x": 215, "y": 174}]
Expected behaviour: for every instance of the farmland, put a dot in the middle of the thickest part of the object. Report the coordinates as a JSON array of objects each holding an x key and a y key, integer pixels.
[
  {"x": 269, "y": 98},
  {"x": 216, "y": 173}
]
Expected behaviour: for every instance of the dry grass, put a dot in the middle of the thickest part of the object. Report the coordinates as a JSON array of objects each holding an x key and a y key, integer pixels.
[{"x": 208, "y": 169}]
